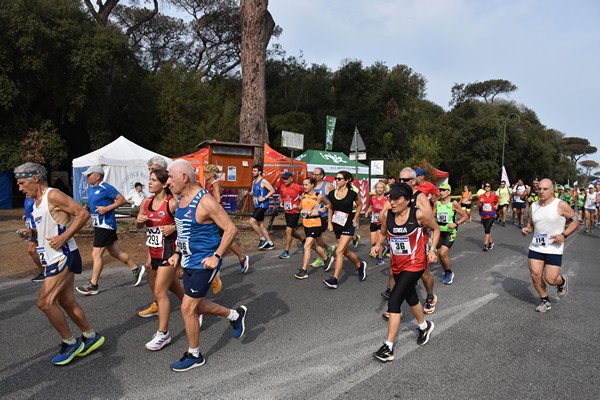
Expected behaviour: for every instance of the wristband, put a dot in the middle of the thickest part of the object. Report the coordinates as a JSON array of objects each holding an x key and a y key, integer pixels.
[
  {"x": 217, "y": 255},
  {"x": 565, "y": 236},
  {"x": 180, "y": 254}
]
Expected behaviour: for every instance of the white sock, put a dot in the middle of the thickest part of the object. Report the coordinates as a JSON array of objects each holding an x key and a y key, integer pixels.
[
  {"x": 423, "y": 326},
  {"x": 89, "y": 334},
  {"x": 389, "y": 344},
  {"x": 233, "y": 315},
  {"x": 71, "y": 341},
  {"x": 195, "y": 352}
]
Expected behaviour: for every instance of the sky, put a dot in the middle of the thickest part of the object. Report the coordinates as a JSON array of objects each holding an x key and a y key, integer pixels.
[{"x": 550, "y": 49}]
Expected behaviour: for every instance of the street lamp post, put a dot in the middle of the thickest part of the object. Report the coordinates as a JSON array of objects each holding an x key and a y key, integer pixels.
[{"x": 504, "y": 136}]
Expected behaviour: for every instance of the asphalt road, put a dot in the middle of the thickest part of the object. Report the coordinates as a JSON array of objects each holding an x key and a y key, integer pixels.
[{"x": 304, "y": 340}]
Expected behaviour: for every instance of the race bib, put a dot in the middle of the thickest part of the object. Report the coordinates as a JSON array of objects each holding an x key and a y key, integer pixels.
[
  {"x": 487, "y": 207},
  {"x": 442, "y": 217},
  {"x": 375, "y": 218},
  {"x": 95, "y": 220},
  {"x": 255, "y": 200},
  {"x": 305, "y": 213},
  {"x": 183, "y": 246},
  {"x": 154, "y": 237},
  {"x": 339, "y": 218},
  {"x": 400, "y": 246},
  {"x": 287, "y": 205},
  {"x": 540, "y": 239},
  {"x": 41, "y": 251}
]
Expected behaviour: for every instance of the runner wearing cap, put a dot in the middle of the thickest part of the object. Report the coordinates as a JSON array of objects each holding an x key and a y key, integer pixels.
[
  {"x": 446, "y": 211},
  {"x": 103, "y": 199},
  {"x": 290, "y": 194},
  {"x": 589, "y": 208}
]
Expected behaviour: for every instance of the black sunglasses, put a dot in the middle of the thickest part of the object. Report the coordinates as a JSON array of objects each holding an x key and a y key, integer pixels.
[
  {"x": 405, "y": 179},
  {"x": 337, "y": 178}
]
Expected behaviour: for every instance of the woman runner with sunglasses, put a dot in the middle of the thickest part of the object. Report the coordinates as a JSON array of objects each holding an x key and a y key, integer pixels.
[
  {"x": 342, "y": 221},
  {"x": 488, "y": 204}
]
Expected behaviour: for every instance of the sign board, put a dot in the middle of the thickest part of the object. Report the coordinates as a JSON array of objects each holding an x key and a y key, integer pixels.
[
  {"x": 361, "y": 156},
  {"x": 377, "y": 167},
  {"x": 292, "y": 140},
  {"x": 357, "y": 142}
]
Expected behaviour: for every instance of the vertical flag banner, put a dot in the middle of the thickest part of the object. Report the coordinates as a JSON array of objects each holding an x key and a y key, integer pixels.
[
  {"x": 504, "y": 177},
  {"x": 329, "y": 129}
]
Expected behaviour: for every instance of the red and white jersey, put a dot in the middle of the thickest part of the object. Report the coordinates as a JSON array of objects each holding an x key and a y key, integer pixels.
[
  {"x": 290, "y": 197},
  {"x": 408, "y": 243},
  {"x": 159, "y": 245},
  {"x": 376, "y": 207}
]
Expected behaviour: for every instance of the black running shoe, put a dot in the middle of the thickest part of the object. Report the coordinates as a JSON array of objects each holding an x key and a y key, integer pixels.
[
  {"x": 384, "y": 354},
  {"x": 386, "y": 294},
  {"x": 425, "y": 333}
]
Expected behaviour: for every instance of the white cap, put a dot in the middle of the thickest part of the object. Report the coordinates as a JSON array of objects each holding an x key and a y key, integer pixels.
[{"x": 94, "y": 168}]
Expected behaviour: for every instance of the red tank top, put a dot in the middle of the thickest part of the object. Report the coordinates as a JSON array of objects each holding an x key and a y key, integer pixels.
[
  {"x": 408, "y": 243},
  {"x": 160, "y": 246},
  {"x": 377, "y": 206}
]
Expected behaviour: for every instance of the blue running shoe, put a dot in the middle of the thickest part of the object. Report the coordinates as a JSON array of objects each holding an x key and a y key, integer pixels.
[
  {"x": 91, "y": 344},
  {"x": 284, "y": 254},
  {"x": 239, "y": 325},
  {"x": 67, "y": 353},
  {"x": 380, "y": 261},
  {"x": 187, "y": 362},
  {"x": 245, "y": 264},
  {"x": 448, "y": 278}
]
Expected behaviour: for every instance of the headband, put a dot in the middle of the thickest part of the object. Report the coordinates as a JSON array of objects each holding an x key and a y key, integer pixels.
[{"x": 27, "y": 174}]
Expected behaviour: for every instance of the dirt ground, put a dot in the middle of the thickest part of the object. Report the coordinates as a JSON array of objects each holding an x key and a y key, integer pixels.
[{"x": 16, "y": 262}]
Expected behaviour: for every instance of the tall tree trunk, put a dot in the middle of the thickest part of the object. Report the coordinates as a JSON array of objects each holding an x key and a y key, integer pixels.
[{"x": 257, "y": 28}]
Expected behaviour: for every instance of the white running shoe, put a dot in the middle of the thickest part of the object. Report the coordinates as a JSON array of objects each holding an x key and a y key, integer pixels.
[{"x": 159, "y": 340}]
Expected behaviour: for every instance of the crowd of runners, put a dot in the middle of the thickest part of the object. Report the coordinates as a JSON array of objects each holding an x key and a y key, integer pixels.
[{"x": 411, "y": 221}]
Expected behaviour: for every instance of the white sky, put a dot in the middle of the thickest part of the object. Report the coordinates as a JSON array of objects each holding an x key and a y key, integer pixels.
[{"x": 550, "y": 49}]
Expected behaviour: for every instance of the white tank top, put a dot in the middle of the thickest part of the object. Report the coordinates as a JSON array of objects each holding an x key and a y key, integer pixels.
[
  {"x": 547, "y": 222},
  {"x": 46, "y": 228},
  {"x": 590, "y": 201}
]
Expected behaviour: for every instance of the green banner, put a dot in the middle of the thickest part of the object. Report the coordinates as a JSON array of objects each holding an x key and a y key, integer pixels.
[{"x": 329, "y": 129}]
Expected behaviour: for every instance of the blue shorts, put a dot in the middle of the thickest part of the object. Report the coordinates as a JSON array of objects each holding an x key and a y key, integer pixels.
[
  {"x": 548, "y": 259},
  {"x": 72, "y": 261},
  {"x": 196, "y": 282}
]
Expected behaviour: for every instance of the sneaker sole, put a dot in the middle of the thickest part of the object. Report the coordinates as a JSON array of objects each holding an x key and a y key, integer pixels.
[
  {"x": 284, "y": 257},
  {"x": 331, "y": 260},
  {"x": 154, "y": 314},
  {"x": 166, "y": 342},
  {"x": 68, "y": 360},
  {"x": 566, "y": 286},
  {"x": 301, "y": 277},
  {"x": 364, "y": 274},
  {"x": 246, "y": 264},
  {"x": 243, "y": 322},
  {"x": 330, "y": 285},
  {"x": 543, "y": 310},
  {"x": 140, "y": 276},
  {"x": 196, "y": 365},
  {"x": 383, "y": 360},
  {"x": 94, "y": 347},
  {"x": 85, "y": 293},
  {"x": 428, "y": 334}
]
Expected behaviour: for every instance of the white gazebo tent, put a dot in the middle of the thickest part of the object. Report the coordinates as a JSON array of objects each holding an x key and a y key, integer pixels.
[{"x": 124, "y": 163}]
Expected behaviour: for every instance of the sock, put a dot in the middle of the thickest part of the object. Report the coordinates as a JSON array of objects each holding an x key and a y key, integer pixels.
[
  {"x": 71, "y": 341},
  {"x": 545, "y": 298},
  {"x": 430, "y": 296},
  {"x": 423, "y": 326},
  {"x": 263, "y": 238},
  {"x": 89, "y": 334},
  {"x": 389, "y": 344},
  {"x": 195, "y": 352},
  {"x": 449, "y": 271},
  {"x": 233, "y": 315},
  {"x": 563, "y": 283}
]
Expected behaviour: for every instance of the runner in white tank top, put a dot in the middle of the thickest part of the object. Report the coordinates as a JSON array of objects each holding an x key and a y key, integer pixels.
[
  {"x": 58, "y": 217},
  {"x": 547, "y": 218}
]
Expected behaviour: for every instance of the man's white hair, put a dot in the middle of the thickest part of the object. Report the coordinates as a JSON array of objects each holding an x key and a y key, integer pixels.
[
  {"x": 159, "y": 161},
  {"x": 185, "y": 167},
  {"x": 411, "y": 172}
]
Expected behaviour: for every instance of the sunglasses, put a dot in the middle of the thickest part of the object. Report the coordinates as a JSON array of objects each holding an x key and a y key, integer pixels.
[
  {"x": 405, "y": 179},
  {"x": 337, "y": 178},
  {"x": 444, "y": 190}
]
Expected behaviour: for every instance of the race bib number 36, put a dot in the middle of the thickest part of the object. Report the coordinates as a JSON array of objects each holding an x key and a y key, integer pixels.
[
  {"x": 400, "y": 246},
  {"x": 154, "y": 237}
]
